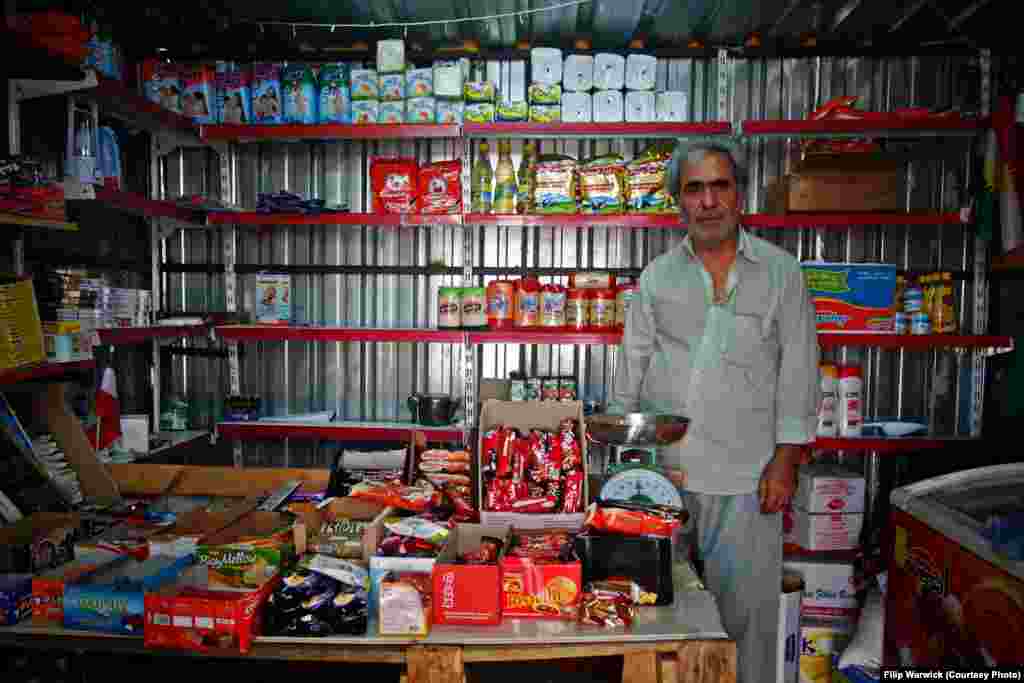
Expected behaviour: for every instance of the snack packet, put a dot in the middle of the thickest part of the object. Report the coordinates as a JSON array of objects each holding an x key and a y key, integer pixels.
[
  {"x": 603, "y": 185},
  {"x": 632, "y": 519},
  {"x": 478, "y": 91},
  {"x": 555, "y": 184},
  {"x": 394, "y": 184},
  {"x": 645, "y": 181},
  {"x": 440, "y": 186}
]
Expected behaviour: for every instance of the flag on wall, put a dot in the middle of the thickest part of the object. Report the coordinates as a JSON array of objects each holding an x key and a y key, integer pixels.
[{"x": 108, "y": 413}]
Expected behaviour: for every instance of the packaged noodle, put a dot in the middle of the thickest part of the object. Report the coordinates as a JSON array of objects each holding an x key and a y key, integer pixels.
[
  {"x": 555, "y": 184},
  {"x": 603, "y": 185},
  {"x": 645, "y": 181}
]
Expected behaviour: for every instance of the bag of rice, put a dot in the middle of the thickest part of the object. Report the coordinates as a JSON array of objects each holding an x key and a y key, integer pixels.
[
  {"x": 555, "y": 184},
  {"x": 645, "y": 181},
  {"x": 603, "y": 185}
]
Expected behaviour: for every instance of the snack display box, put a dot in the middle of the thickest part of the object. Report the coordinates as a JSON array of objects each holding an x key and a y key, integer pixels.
[
  {"x": 48, "y": 587},
  {"x": 536, "y": 589},
  {"x": 248, "y": 553},
  {"x": 468, "y": 593},
  {"x": 852, "y": 297},
  {"x": 644, "y": 559}
]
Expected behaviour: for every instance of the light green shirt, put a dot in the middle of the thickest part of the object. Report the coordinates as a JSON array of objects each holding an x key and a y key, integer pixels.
[{"x": 745, "y": 370}]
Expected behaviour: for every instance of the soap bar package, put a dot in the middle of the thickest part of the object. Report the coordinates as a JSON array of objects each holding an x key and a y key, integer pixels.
[
  {"x": 392, "y": 87},
  {"x": 545, "y": 113},
  {"x": 641, "y": 71},
  {"x": 546, "y": 65},
  {"x": 390, "y": 56},
  {"x": 541, "y": 93},
  {"x": 420, "y": 110},
  {"x": 639, "y": 106},
  {"x": 419, "y": 83},
  {"x": 671, "y": 106},
  {"x": 579, "y": 73},
  {"x": 391, "y": 112},
  {"x": 609, "y": 71},
  {"x": 365, "y": 84},
  {"x": 450, "y": 112},
  {"x": 365, "y": 111},
  {"x": 608, "y": 106},
  {"x": 577, "y": 107},
  {"x": 479, "y": 112}
]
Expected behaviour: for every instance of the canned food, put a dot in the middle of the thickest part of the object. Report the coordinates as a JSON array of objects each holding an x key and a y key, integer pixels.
[
  {"x": 602, "y": 309},
  {"x": 549, "y": 390},
  {"x": 501, "y": 296},
  {"x": 913, "y": 300},
  {"x": 552, "y": 306},
  {"x": 533, "y": 389},
  {"x": 567, "y": 389},
  {"x": 527, "y": 312},
  {"x": 901, "y": 322},
  {"x": 449, "y": 307},
  {"x": 517, "y": 390},
  {"x": 577, "y": 310},
  {"x": 920, "y": 324},
  {"x": 473, "y": 301}
]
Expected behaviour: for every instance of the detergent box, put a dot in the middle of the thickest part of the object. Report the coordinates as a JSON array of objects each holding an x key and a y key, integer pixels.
[{"x": 852, "y": 297}]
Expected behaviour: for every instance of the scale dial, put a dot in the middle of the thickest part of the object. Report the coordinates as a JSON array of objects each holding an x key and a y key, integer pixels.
[{"x": 641, "y": 485}]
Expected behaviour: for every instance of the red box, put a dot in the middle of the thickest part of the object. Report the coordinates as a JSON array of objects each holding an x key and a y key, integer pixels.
[
  {"x": 468, "y": 593},
  {"x": 186, "y": 616},
  {"x": 540, "y": 590}
]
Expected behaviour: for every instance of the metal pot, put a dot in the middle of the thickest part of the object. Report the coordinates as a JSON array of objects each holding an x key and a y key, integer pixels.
[{"x": 432, "y": 410}]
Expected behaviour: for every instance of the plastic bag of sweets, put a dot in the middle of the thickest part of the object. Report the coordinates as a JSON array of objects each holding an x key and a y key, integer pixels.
[
  {"x": 645, "y": 181},
  {"x": 554, "y": 190},
  {"x": 632, "y": 520},
  {"x": 603, "y": 185},
  {"x": 394, "y": 182},
  {"x": 309, "y": 603},
  {"x": 440, "y": 186}
]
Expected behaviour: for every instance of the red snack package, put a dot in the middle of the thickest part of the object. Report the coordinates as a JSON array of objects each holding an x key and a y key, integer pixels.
[
  {"x": 569, "y": 447},
  {"x": 393, "y": 181},
  {"x": 500, "y": 494},
  {"x": 535, "y": 505},
  {"x": 490, "y": 447},
  {"x": 520, "y": 450},
  {"x": 631, "y": 522},
  {"x": 414, "y": 498},
  {"x": 440, "y": 187},
  {"x": 572, "y": 498}
]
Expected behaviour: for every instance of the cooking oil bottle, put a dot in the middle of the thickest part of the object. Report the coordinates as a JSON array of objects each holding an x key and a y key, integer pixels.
[
  {"x": 524, "y": 200},
  {"x": 505, "y": 189},
  {"x": 481, "y": 181}
]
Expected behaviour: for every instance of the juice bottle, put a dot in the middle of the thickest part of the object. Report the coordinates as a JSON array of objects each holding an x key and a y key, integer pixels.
[
  {"x": 505, "y": 189},
  {"x": 481, "y": 182},
  {"x": 524, "y": 201}
]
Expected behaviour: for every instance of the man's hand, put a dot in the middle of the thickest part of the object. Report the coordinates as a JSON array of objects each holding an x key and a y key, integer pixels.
[{"x": 779, "y": 479}]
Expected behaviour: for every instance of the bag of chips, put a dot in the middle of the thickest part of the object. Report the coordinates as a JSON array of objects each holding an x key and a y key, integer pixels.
[
  {"x": 554, "y": 189},
  {"x": 394, "y": 183},
  {"x": 440, "y": 186},
  {"x": 645, "y": 181},
  {"x": 603, "y": 185}
]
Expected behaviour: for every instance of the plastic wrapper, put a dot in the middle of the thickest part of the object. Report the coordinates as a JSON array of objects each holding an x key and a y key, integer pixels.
[
  {"x": 478, "y": 112},
  {"x": 450, "y": 112},
  {"x": 415, "y": 527},
  {"x": 542, "y": 93},
  {"x": 394, "y": 183},
  {"x": 308, "y": 603},
  {"x": 478, "y": 91},
  {"x": 440, "y": 186},
  {"x": 419, "y": 82},
  {"x": 365, "y": 84},
  {"x": 413, "y": 498},
  {"x": 609, "y": 612},
  {"x": 542, "y": 546},
  {"x": 555, "y": 185},
  {"x": 487, "y": 553},
  {"x": 633, "y": 520},
  {"x": 512, "y": 111},
  {"x": 405, "y": 604},
  {"x": 391, "y": 112},
  {"x": 645, "y": 181},
  {"x": 421, "y": 110},
  {"x": 391, "y": 87},
  {"x": 365, "y": 111},
  {"x": 620, "y": 589},
  {"x": 545, "y": 113},
  {"x": 572, "y": 500},
  {"x": 603, "y": 185}
]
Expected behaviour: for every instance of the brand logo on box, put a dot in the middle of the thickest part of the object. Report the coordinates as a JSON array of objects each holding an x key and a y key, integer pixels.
[
  {"x": 836, "y": 504},
  {"x": 448, "y": 590}
]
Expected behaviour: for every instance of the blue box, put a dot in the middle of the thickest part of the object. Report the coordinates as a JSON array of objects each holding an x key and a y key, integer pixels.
[
  {"x": 15, "y": 598},
  {"x": 852, "y": 297},
  {"x": 110, "y": 599}
]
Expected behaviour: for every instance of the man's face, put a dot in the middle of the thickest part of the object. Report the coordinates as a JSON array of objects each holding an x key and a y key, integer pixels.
[{"x": 710, "y": 199}]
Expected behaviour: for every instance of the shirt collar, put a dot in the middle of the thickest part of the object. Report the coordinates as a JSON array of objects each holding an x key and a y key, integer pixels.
[{"x": 744, "y": 247}]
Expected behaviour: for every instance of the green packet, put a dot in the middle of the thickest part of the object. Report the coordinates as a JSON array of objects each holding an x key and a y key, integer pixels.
[
  {"x": 513, "y": 111},
  {"x": 478, "y": 91},
  {"x": 540, "y": 93},
  {"x": 479, "y": 112},
  {"x": 545, "y": 113}
]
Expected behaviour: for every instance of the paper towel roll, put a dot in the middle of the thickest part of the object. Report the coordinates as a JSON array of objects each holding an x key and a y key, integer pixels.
[
  {"x": 639, "y": 106},
  {"x": 608, "y": 106},
  {"x": 390, "y": 56},
  {"x": 546, "y": 65},
  {"x": 577, "y": 107},
  {"x": 671, "y": 106},
  {"x": 609, "y": 71},
  {"x": 640, "y": 72},
  {"x": 578, "y": 74}
]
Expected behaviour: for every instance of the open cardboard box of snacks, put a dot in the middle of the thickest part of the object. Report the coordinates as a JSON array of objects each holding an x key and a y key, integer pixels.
[
  {"x": 249, "y": 552},
  {"x": 844, "y": 182},
  {"x": 346, "y": 535},
  {"x": 380, "y": 566},
  {"x": 525, "y": 416},
  {"x": 469, "y": 593}
]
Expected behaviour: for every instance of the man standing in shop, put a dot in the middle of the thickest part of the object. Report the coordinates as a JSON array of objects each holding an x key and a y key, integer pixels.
[{"x": 722, "y": 330}]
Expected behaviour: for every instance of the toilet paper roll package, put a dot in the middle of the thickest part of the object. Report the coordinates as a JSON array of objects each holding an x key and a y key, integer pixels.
[
  {"x": 546, "y": 65},
  {"x": 365, "y": 111},
  {"x": 450, "y": 111},
  {"x": 608, "y": 106},
  {"x": 448, "y": 77},
  {"x": 365, "y": 84},
  {"x": 420, "y": 110},
  {"x": 419, "y": 83},
  {"x": 391, "y": 112},
  {"x": 671, "y": 106},
  {"x": 577, "y": 107},
  {"x": 609, "y": 71},
  {"x": 578, "y": 73},
  {"x": 639, "y": 106},
  {"x": 390, "y": 56},
  {"x": 641, "y": 71},
  {"x": 391, "y": 87}
]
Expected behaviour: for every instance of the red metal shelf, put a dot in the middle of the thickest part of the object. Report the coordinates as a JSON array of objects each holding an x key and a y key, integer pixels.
[
  {"x": 634, "y": 220},
  {"x": 120, "y": 101},
  {"x": 338, "y": 131},
  {"x": 541, "y": 336},
  {"x": 595, "y": 130},
  {"x": 137, "y": 204},
  {"x": 329, "y": 334},
  {"x": 337, "y": 431},
  {"x": 913, "y": 342},
  {"x": 254, "y": 218},
  {"x": 885, "y": 445},
  {"x": 44, "y": 371},
  {"x": 844, "y": 220},
  {"x": 138, "y": 335},
  {"x": 890, "y": 125}
]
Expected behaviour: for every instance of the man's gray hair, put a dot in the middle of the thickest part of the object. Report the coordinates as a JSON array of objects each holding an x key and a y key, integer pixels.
[{"x": 690, "y": 150}]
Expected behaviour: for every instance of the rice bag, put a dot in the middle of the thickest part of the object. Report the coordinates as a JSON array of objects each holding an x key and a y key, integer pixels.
[
  {"x": 541, "y": 93},
  {"x": 419, "y": 83},
  {"x": 365, "y": 111},
  {"x": 391, "y": 112},
  {"x": 545, "y": 113},
  {"x": 335, "y": 101},
  {"x": 440, "y": 186},
  {"x": 235, "y": 96},
  {"x": 266, "y": 93},
  {"x": 364, "y": 84},
  {"x": 479, "y": 112},
  {"x": 512, "y": 111},
  {"x": 162, "y": 84},
  {"x": 645, "y": 181},
  {"x": 478, "y": 91},
  {"x": 450, "y": 111},
  {"x": 299, "y": 90},
  {"x": 392, "y": 87},
  {"x": 394, "y": 183},
  {"x": 420, "y": 110},
  {"x": 603, "y": 185},
  {"x": 555, "y": 184},
  {"x": 197, "y": 98}
]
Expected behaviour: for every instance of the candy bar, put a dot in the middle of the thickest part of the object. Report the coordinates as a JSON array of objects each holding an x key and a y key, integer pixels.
[
  {"x": 572, "y": 500},
  {"x": 633, "y": 520}
]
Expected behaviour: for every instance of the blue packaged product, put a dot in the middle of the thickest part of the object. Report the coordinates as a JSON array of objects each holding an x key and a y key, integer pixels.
[
  {"x": 161, "y": 82},
  {"x": 197, "y": 98},
  {"x": 419, "y": 83},
  {"x": 365, "y": 111},
  {"x": 853, "y": 297},
  {"x": 365, "y": 85},
  {"x": 234, "y": 96},
  {"x": 299, "y": 89},
  {"x": 15, "y": 598},
  {"x": 266, "y": 93},
  {"x": 335, "y": 100},
  {"x": 391, "y": 112},
  {"x": 392, "y": 87}
]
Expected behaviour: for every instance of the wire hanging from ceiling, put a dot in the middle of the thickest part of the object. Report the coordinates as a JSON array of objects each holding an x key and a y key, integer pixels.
[{"x": 430, "y": 22}]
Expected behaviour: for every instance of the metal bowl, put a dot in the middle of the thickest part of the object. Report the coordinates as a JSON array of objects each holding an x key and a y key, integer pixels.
[{"x": 637, "y": 429}]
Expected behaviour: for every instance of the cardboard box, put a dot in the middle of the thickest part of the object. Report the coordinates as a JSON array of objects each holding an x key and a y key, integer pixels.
[
  {"x": 41, "y": 541},
  {"x": 787, "y": 661},
  {"x": 273, "y": 304},
  {"x": 829, "y": 488},
  {"x": 828, "y": 588},
  {"x": 348, "y": 537},
  {"x": 48, "y": 587},
  {"x": 821, "y": 644},
  {"x": 188, "y": 615},
  {"x": 540, "y": 590},
  {"x": 249, "y": 552},
  {"x": 15, "y": 598},
  {"x": 850, "y": 182},
  {"x": 852, "y": 297},
  {"x": 531, "y": 415},
  {"x": 468, "y": 593},
  {"x": 405, "y": 606},
  {"x": 818, "y": 532}
]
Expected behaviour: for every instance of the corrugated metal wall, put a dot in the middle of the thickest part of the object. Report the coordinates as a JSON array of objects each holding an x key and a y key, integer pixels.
[{"x": 371, "y": 381}]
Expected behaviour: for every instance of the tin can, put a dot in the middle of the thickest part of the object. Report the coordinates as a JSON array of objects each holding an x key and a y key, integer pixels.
[
  {"x": 602, "y": 309},
  {"x": 577, "y": 310},
  {"x": 527, "y": 310},
  {"x": 517, "y": 390},
  {"x": 902, "y": 322},
  {"x": 473, "y": 301},
  {"x": 533, "y": 388},
  {"x": 550, "y": 389},
  {"x": 624, "y": 295},
  {"x": 567, "y": 389},
  {"x": 501, "y": 296},
  {"x": 920, "y": 324},
  {"x": 552, "y": 307},
  {"x": 913, "y": 299},
  {"x": 449, "y": 307}
]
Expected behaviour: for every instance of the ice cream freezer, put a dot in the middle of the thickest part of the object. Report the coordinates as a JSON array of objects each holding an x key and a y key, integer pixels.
[{"x": 954, "y": 599}]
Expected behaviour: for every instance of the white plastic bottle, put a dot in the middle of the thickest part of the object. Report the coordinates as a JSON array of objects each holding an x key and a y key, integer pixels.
[
  {"x": 851, "y": 396},
  {"x": 828, "y": 425}
]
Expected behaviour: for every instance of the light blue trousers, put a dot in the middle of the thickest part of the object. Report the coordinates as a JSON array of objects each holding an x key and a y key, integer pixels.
[{"x": 741, "y": 552}]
